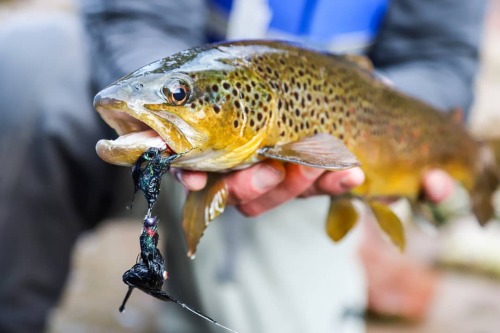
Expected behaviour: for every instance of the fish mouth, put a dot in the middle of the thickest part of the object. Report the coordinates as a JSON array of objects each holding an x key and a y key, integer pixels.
[{"x": 138, "y": 129}]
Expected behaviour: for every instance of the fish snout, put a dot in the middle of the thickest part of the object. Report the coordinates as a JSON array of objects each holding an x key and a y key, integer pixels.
[{"x": 101, "y": 102}]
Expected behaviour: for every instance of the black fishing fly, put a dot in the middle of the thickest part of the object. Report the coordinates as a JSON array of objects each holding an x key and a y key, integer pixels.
[
  {"x": 148, "y": 274},
  {"x": 148, "y": 171}
]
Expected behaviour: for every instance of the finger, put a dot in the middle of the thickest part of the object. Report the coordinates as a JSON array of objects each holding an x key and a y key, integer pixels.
[
  {"x": 438, "y": 185},
  {"x": 249, "y": 184},
  {"x": 192, "y": 180},
  {"x": 298, "y": 179},
  {"x": 337, "y": 182}
]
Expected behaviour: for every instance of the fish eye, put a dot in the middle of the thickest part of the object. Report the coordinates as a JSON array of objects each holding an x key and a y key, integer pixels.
[{"x": 177, "y": 92}]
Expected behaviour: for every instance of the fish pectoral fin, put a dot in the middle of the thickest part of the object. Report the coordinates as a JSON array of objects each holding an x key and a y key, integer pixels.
[
  {"x": 342, "y": 217},
  {"x": 389, "y": 223},
  {"x": 320, "y": 151},
  {"x": 201, "y": 208}
]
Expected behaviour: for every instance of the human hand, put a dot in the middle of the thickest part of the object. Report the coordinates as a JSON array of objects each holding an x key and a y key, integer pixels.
[{"x": 269, "y": 184}]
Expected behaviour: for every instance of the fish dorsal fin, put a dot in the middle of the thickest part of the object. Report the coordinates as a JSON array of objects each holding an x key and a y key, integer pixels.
[
  {"x": 320, "y": 151},
  {"x": 389, "y": 223},
  {"x": 200, "y": 208},
  {"x": 456, "y": 115},
  {"x": 359, "y": 60},
  {"x": 342, "y": 217}
]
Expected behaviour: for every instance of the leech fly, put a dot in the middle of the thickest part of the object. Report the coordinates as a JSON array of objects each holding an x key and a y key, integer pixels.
[
  {"x": 147, "y": 173},
  {"x": 148, "y": 274}
]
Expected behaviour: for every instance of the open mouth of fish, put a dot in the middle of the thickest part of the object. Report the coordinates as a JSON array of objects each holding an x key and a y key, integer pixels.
[{"x": 138, "y": 131}]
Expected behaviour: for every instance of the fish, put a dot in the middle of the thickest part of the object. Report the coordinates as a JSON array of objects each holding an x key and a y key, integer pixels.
[{"x": 227, "y": 106}]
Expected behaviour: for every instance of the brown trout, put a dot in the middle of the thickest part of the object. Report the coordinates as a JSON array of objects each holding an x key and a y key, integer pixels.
[{"x": 227, "y": 106}]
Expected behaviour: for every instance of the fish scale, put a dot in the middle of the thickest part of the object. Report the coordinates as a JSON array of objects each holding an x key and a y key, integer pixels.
[{"x": 242, "y": 102}]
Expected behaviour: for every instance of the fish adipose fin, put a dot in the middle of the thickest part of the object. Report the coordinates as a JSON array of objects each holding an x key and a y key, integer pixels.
[
  {"x": 342, "y": 217},
  {"x": 389, "y": 223},
  {"x": 200, "y": 208},
  {"x": 319, "y": 151}
]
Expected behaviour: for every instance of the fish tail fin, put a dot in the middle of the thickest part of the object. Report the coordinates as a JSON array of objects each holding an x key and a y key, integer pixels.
[{"x": 486, "y": 182}]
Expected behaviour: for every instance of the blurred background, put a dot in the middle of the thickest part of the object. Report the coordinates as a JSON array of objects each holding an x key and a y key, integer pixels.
[{"x": 465, "y": 258}]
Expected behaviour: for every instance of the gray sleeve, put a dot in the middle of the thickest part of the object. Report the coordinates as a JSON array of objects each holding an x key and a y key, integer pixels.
[
  {"x": 429, "y": 49},
  {"x": 127, "y": 34}
]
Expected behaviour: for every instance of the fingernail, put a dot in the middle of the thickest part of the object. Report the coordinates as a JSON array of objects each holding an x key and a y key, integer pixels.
[
  {"x": 266, "y": 177},
  {"x": 310, "y": 172},
  {"x": 353, "y": 178}
]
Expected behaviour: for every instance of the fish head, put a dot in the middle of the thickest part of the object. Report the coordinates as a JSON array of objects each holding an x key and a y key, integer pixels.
[{"x": 207, "y": 107}]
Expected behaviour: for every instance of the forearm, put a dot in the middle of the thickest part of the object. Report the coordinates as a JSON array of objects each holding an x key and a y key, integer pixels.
[
  {"x": 429, "y": 49},
  {"x": 127, "y": 34}
]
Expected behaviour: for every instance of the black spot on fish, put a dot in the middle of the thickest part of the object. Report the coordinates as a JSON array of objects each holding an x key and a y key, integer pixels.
[
  {"x": 237, "y": 104},
  {"x": 216, "y": 108},
  {"x": 226, "y": 85}
]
